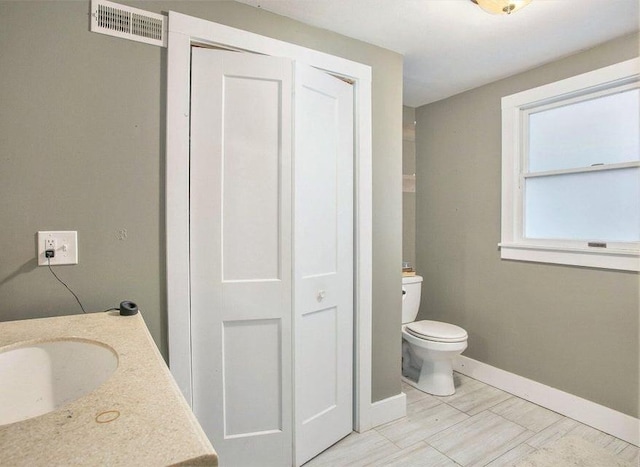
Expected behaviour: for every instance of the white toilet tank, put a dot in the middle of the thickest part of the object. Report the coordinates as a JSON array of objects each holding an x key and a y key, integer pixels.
[{"x": 411, "y": 290}]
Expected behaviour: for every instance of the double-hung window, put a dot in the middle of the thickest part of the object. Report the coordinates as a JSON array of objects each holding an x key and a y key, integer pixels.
[{"x": 571, "y": 171}]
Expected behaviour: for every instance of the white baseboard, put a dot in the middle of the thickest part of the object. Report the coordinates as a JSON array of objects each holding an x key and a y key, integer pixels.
[
  {"x": 388, "y": 409},
  {"x": 610, "y": 421}
]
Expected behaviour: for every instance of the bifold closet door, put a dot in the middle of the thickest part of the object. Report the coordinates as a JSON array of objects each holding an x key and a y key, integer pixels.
[
  {"x": 241, "y": 236},
  {"x": 323, "y": 259},
  {"x": 259, "y": 315}
]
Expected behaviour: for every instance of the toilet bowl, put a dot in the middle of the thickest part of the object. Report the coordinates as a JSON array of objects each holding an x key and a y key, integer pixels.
[{"x": 428, "y": 347}]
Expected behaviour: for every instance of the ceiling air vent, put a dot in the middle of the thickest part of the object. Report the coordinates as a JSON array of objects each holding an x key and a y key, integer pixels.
[{"x": 129, "y": 23}]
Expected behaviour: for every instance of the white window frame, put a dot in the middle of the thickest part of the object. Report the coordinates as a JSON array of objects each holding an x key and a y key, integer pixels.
[{"x": 515, "y": 110}]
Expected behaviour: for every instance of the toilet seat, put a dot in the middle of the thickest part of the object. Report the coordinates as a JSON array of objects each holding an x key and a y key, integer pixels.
[{"x": 436, "y": 331}]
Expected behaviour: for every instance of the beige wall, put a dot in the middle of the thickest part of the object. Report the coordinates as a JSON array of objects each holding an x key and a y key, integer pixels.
[
  {"x": 575, "y": 329},
  {"x": 81, "y": 148},
  {"x": 408, "y": 197}
]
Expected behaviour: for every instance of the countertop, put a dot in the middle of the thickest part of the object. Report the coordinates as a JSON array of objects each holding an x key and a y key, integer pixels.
[{"x": 154, "y": 425}]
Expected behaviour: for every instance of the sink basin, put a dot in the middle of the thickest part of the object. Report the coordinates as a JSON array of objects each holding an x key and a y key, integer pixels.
[{"x": 37, "y": 378}]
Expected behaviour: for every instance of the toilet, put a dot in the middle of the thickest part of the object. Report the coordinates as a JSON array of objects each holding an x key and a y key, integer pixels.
[{"x": 428, "y": 347}]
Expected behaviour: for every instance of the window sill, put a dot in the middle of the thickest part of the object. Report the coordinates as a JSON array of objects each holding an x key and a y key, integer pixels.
[{"x": 624, "y": 260}]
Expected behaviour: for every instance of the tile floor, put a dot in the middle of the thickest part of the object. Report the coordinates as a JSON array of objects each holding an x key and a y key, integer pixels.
[{"x": 479, "y": 425}]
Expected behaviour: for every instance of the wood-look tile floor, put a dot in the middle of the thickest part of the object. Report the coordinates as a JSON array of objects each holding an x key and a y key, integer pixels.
[{"x": 479, "y": 425}]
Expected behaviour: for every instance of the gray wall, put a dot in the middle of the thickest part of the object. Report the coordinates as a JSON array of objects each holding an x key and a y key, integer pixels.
[
  {"x": 575, "y": 329},
  {"x": 408, "y": 197},
  {"x": 81, "y": 148}
]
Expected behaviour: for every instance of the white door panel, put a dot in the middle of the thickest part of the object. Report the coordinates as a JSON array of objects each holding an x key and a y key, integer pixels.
[
  {"x": 257, "y": 414},
  {"x": 251, "y": 170},
  {"x": 240, "y": 232},
  {"x": 323, "y": 259}
]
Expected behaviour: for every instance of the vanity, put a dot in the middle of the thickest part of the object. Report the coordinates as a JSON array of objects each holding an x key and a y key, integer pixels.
[{"x": 111, "y": 399}]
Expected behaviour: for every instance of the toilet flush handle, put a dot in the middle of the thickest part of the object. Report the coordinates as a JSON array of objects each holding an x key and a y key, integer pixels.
[{"x": 321, "y": 295}]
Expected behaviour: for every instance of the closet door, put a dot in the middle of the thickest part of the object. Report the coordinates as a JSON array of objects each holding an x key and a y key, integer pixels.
[
  {"x": 323, "y": 259},
  {"x": 241, "y": 284}
]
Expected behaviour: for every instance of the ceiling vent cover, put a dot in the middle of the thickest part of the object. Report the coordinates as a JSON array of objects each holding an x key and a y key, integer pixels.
[{"x": 129, "y": 23}]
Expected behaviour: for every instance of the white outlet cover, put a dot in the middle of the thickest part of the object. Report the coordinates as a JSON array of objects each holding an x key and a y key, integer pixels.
[{"x": 66, "y": 247}]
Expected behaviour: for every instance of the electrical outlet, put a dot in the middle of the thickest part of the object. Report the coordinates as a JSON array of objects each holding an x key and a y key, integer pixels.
[
  {"x": 49, "y": 244},
  {"x": 64, "y": 244}
]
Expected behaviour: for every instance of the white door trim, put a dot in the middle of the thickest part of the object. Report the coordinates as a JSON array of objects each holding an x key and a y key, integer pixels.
[{"x": 183, "y": 32}]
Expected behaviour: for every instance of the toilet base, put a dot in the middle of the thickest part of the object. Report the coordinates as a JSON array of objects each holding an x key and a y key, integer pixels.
[{"x": 435, "y": 378}]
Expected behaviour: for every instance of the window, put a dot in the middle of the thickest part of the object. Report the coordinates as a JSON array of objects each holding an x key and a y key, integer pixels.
[{"x": 571, "y": 171}]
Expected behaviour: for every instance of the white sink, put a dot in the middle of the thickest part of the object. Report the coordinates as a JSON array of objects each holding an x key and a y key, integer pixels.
[{"x": 37, "y": 378}]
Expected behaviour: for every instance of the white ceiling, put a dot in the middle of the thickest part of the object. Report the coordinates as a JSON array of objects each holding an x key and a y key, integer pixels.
[{"x": 450, "y": 46}]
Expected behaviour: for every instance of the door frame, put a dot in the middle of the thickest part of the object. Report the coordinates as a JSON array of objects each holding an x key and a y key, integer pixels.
[{"x": 183, "y": 32}]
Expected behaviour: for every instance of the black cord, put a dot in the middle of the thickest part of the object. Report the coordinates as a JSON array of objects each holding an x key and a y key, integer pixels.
[
  {"x": 76, "y": 297},
  {"x": 60, "y": 280}
]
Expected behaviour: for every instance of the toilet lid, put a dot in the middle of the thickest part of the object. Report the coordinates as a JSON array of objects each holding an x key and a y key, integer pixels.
[{"x": 437, "y": 331}]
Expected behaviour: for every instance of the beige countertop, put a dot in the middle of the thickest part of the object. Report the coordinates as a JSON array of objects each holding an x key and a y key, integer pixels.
[{"x": 153, "y": 424}]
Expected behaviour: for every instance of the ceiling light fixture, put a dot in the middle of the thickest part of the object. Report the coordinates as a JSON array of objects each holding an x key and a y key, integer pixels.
[{"x": 501, "y": 7}]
